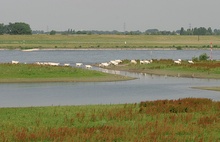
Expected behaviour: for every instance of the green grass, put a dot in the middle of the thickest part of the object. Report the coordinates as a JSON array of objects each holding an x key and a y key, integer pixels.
[
  {"x": 37, "y": 73},
  {"x": 105, "y": 41},
  {"x": 167, "y": 67},
  {"x": 190, "y": 119}
]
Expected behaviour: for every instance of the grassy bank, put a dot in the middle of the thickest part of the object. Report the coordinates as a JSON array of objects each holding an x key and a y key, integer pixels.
[
  {"x": 105, "y": 41},
  {"x": 167, "y": 67},
  {"x": 37, "y": 73},
  {"x": 163, "y": 120}
]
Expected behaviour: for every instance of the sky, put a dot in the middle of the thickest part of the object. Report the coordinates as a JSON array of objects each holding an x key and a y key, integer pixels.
[{"x": 108, "y": 15}]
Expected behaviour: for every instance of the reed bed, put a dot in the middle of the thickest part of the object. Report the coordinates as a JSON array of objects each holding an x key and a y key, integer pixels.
[{"x": 187, "y": 119}]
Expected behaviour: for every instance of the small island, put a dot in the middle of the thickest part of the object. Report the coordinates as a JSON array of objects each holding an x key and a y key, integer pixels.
[
  {"x": 197, "y": 68},
  {"x": 23, "y": 73}
]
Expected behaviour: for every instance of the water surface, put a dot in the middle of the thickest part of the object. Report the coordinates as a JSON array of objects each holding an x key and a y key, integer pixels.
[{"x": 146, "y": 87}]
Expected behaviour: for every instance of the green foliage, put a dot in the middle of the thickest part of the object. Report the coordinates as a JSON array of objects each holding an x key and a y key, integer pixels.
[
  {"x": 2, "y": 29},
  {"x": 196, "y": 31},
  {"x": 203, "y": 57},
  {"x": 18, "y": 28},
  {"x": 195, "y": 59},
  {"x": 178, "y": 48},
  {"x": 53, "y": 32}
]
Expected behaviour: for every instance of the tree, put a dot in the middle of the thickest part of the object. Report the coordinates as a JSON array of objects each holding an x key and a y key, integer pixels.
[
  {"x": 203, "y": 57},
  {"x": 217, "y": 31},
  {"x": 182, "y": 31},
  {"x": 209, "y": 31},
  {"x": 52, "y": 32},
  {"x": 2, "y": 29},
  {"x": 202, "y": 31},
  {"x": 152, "y": 31},
  {"x": 19, "y": 28}
]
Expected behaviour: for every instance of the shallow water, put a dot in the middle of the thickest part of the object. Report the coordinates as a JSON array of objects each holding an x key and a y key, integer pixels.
[{"x": 146, "y": 87}]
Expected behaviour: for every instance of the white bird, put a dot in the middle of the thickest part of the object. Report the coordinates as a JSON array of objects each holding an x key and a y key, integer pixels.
[
  {"x": 118, "y": 61},
  {"x": 177, "y": 62},
  {"x": 147, "y": 62},
  {"x": 53, "y": 64},
  {"x": 78, "y": 64},
  {"x": 191, "y": 62},
  {"x": 104, "y": 64},
  {"x": 133, "y": 62},
  {"x": 88, "y": 66},
  {"x": 113, "y": 62},
  {"x": 14, "y": 62},
  {"x": 66, "y": 65}
]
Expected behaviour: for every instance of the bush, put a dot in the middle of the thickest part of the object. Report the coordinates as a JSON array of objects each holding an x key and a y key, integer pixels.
[
  {"x": 195, "y": 59},
  {"x": 203, "y": 57},
  {"x": 52, "y": 32},
  {"x": 178, "y": 48}
]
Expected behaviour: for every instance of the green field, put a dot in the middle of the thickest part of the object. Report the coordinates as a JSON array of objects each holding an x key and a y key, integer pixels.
[
  {"x": 105, "y": 41},
  {"x": 187, "y": 119},
  {"x": 42, "y": 73}
]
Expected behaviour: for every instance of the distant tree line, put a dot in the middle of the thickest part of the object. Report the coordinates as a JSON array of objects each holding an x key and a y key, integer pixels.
[
  {"x": 114, "y": 32},
  {"x": 18, "y": 28},
  {"x": 199, "y": 31},
  {"x": 194, "y": 31}
]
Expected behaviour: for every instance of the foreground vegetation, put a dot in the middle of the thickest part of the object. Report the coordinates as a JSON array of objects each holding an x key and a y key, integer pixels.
[
  {"x": 106, "y": 41},
  {"x": 42, "y": 73},
  {"x": 190, "y": 119}
]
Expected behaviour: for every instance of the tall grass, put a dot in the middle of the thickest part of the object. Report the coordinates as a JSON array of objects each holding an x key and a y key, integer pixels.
[{"x": 190, "y": 119}]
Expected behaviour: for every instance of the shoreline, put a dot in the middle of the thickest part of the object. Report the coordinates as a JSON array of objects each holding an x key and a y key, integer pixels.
[
  {"x": 164, "y": 73},
  {"x": 87, "y": 49},
  {"x": 67, "y": 80}
]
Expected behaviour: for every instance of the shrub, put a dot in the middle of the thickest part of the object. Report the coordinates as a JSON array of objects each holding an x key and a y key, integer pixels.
[
  {"x": 195, "y": 59},
  {"x": 179, "y": 48},
  {"x": 52, "y": 32},
  {"x": 203, "y": 57}
]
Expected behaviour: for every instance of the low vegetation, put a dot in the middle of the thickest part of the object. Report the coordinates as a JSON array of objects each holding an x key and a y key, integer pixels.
[
  {"x": 106, "y": 41},
  {"x": 44, "y": 73},
  {"x": 167, "y": 67},
  {"x": 189, "y": 119}
]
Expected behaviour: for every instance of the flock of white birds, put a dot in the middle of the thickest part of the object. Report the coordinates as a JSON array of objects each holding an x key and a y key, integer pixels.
[{"x": 105, "y": 64}]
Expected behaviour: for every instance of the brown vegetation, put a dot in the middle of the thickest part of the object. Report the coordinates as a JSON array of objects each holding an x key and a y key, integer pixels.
[{"x": 190, "y": 119}]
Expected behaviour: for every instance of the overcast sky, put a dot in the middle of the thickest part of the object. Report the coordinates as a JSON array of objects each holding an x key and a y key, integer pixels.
[{"x": 111, "y": 14}]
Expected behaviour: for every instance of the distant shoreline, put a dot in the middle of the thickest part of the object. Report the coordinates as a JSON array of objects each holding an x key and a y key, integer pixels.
[{"x": 93, "y": 49}]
